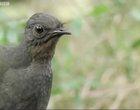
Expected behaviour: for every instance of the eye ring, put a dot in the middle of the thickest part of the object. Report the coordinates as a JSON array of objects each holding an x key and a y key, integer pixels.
[{"x": 38, "y": 29}]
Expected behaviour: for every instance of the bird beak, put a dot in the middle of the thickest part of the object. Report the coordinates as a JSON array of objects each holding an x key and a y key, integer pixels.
[{"x": 61, "y": 32}]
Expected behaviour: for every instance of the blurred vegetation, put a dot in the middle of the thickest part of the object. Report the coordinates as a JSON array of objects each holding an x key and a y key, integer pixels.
[{"x": 98, "y": 66}]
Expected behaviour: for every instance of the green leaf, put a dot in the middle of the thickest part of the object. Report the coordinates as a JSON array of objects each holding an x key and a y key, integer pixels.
[
  {"x": 136, "y": 44},
  {"x": 3, "y": 40},
  {"x": 100, "y": 10},
  {"x": 57, "y": 90}
]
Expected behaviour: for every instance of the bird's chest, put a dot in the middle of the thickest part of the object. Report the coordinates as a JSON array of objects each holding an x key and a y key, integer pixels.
[
  {"x": 42, "y": 72},
  {"x": 42, "y": 80}
]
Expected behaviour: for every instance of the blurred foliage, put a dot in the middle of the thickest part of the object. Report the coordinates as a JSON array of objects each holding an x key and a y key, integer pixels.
[
  {"x": 100, "y": 10},
  {"x": 98, "y": 66}
]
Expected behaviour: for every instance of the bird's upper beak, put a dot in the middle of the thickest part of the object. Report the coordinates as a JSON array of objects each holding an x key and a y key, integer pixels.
[{"x": 61, "y": 31}]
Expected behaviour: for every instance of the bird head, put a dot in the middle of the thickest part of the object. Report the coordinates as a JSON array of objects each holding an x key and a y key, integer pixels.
[{"x": 42, "y": 33}]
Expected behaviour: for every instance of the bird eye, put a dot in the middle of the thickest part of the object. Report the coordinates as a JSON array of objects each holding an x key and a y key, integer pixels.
[{"x": 39, "y": 29}]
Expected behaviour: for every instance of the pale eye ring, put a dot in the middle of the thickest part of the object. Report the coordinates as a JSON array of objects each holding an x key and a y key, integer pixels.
[{"x": 39, "y": 29}]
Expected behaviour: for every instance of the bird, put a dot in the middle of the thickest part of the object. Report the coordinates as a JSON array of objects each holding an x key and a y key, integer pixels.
[{"x": 25, "y": 71}]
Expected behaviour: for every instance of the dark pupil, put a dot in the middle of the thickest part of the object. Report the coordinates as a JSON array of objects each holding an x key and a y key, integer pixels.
[{"x": 39, "y": 29}]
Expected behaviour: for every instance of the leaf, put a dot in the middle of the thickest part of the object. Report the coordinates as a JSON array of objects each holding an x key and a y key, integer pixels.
[
  {"x": 3, "y": 40},
  {"x": 136, "y": 44},
  {"x": 56, "y": 90},
  {"x": 100, "y": 10}
]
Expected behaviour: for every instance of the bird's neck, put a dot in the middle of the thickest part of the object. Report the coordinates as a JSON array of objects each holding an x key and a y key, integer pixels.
[
  {"x": 44, "y": 64},
  {"x": 42, "y": 61},
  {"x": 43, "y": 52}
]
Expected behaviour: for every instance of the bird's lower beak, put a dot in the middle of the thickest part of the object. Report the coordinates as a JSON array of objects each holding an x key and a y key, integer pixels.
[{"x": 61, "y": 32}]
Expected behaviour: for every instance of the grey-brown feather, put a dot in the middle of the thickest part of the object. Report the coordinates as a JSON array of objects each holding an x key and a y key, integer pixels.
[
  {"x": 26, "y": 89},
  {"x": 25, "y": 71},
  {"x": 13, "y": 57}
]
